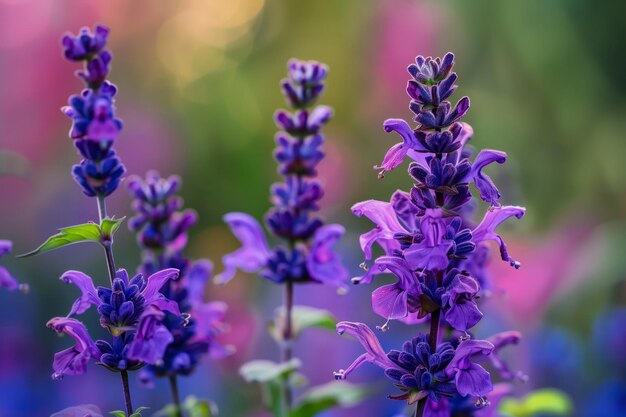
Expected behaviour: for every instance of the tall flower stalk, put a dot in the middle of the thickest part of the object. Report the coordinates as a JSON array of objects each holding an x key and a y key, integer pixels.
[
  {"x": 131, "y": 309},
  {"x": 437, "y": 253},
  {"x": 161, "y": 226},
  {"x": 306, "y": 255}
]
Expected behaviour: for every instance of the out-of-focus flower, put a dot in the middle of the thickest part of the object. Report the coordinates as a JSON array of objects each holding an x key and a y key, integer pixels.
[
  {"x": 161, "y": 229},
  {"x": 309, "y": 254},
  {"x": 7, "y": 280}
]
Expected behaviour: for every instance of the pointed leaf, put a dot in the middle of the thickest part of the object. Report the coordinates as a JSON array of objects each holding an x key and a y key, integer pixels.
[
  {"x": 302, "y": 317},
  {"x": 118, "y": 413},
  {"x": 264, "y": 371},
  {"x": 109, "y": 226},
  {"x": 196, "y": 407},
  {"x": 87, "y": 232},
  {"x": 545, "y": 402},
  {"x": 330, "y": 395}
]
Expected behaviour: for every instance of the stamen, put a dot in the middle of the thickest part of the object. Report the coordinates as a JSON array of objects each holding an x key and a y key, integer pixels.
[
  {"x": 465, "y": 337},
  {"x": 364, "y": 266},
  {"x": 186, "y": 319},
  {"x": 340, "y": 374},
  {"x": 482, "y": 402}
]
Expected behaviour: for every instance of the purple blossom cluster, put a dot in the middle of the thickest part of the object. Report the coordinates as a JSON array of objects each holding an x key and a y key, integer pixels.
[
  {"x": 161, "y": 229},
  {"x": 308, "y": 255},
  {"x": 142, "y": 314},
  {"x": 94, "y": 124},
  {"x": 437, "y": 253}
]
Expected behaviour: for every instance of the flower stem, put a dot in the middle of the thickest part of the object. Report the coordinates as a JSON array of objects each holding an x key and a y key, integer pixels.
[
  {"x": 287, "y": 338},
  {"x": 127, "y": 401},
  {"x": 176, "y": 398},
  {"x": 419, "y": 410},
  {"x": 108, "y": 252}
]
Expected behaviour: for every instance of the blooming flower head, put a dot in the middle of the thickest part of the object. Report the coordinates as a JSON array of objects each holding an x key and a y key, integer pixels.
[
  {"x": 95, "y": 126},
  {"x": 436, "y": 252},
  {"x": 129, "y": 310},
  {"x": 161, "y": 226},
  {"x": 308, "y": 254}
]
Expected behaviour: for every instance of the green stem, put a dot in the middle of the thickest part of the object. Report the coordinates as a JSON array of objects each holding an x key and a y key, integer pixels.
[
  {"x": 176, "y": 398},
  {"x": 287, "y": 339},
  {"x": 127, "y": 400}
]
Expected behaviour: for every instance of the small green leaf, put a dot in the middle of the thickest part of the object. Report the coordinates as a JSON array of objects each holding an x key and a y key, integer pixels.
[
  {"x": 88, "y": 232},
  {"x": 546, "y": 401},
  {"x": 303, "y": 317},
  {"x": 118, "y": 413},
  {"x": 138, "y": 411},
  {"x": 196, "y": 407},
  {"x": 109, "y": 226},
  {"x": 324, "y": 397},
  {"x": 264, "y": 371}
]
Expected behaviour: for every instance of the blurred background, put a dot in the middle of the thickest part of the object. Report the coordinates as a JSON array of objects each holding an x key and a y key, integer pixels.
[{"x": 198, "y": 84}]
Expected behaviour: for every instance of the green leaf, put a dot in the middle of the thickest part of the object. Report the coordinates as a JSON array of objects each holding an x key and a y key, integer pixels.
[
  {"x": 138, "y": 411},
  {"x": 87, "y": 232},
  {"x": 264, "y": 371},
  {"x": 196, "y": 407},
  {"x": 330, "y": 395},
  {"x": 118, "y": 413},
  {"x": 109, "y": 226},
  {"x": 302, "y": 317},
  {"x": 546, "y": 401}
]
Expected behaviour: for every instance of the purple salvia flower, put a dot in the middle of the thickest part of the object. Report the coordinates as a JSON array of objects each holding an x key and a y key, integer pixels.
[
  {"x": 438, "y": 255},
  {"x": 7, "y": 280},
  {"x": 74, "y": 360},
  {"x": 94, "y": 123},
  {"x": 161, "y": 225},
  {"x": 86, "y": 44},
  {"x": 309, "y": 255}
]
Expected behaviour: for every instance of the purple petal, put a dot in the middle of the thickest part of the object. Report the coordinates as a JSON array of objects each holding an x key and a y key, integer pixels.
[
  {"x": 488, "y": 191},
  {"x": 463, "y": 315},
  {"x": 492, "y": 219},
  {"x": 373, "y": 350},
  {"x": 74, "y": 360},
  {"x": 151, "y": 337},
  {"x": 384, "y": 217},
  {"x": 319, "y": 117},
  {"x": 196, "y": 279},
  {"x": 156, "y": 281},
  {"x": 501, "y": 340},
  {"x": 473, "y": 380},
  {"x": 464, "y": 353},
  {"x": 390, "y": 301},
  {"x": 254, "y": 251},
  {"x": 395, "y": 155},
  {"x": 89, "y": 295},
  {"x": 420, "y": 256},
  {"x": 5, "y": 247},
  {"x": 7, "y": 280},
  {"x": 323, "y": 263}
]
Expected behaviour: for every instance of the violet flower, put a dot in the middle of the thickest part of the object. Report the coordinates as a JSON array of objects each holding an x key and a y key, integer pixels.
[
  {"x": 309, "y": 255},
  {"x": 435, "y": 250},
  {"x": 161, "y": 229},
  {"x": 127, "y": 311},
  {"x": 131, "y": 309},
  {"x": 94, "y": 124},
  {"x": 7, "y": 280}
]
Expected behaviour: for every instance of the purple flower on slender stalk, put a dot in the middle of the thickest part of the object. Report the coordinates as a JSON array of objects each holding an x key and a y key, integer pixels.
[
  {"x": 7, "y": 280},
  {"x": 94, "y": 124},
  {"x": 161, "y": 226},
  {"x": 131, "y": 309},
  {"x": 308, "y": 254},
  {"x": 432, "y": 246}
]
